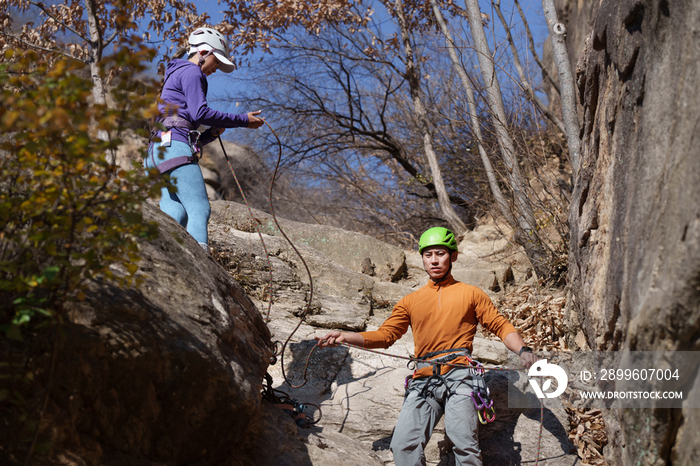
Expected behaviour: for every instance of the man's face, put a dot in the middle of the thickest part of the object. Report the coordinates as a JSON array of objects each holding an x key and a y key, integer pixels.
[{"x": 436, "y": 261}]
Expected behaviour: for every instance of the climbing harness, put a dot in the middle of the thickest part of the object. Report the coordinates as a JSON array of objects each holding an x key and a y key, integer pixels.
[
  {"x": 474, "y": 371},
  {"x": 488, "y": 415},
  {"x": 170, "y": 122}
]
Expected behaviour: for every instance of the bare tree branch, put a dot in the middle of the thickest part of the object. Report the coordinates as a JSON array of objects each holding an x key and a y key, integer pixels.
[
  {"x": 524, "y": 83},
  {"x": 62, "y": 23},
  {"x": 531, "y": 43},
  {"x": 39, "y": 47}
]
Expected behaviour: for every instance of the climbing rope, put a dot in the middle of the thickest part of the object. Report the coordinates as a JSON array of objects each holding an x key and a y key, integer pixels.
[
  {"x": 250, "y": 211},
  {"x": 278, "y": 351}
]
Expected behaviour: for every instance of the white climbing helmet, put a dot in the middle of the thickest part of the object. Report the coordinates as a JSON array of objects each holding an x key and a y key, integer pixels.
[{"x": 212, "y": 41}]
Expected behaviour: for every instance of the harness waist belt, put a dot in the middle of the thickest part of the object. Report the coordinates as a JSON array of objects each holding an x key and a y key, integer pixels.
[
  {"x": 175, "y": 163},
  {"x": 175, "y": 121},
  {"x": 449, "y": 355}
]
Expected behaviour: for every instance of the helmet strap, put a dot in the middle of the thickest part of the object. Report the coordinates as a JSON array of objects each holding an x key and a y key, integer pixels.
[{"x": 202, "y": 58}]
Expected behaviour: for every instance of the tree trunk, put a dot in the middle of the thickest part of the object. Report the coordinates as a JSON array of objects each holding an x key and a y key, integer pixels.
[
  {"x": 96, "y": 48},
  {"x": 566, "y": 82},
  {"x": 413, "y": 77},
  {"x": 473, "y": 115},
  {"x": 526, "y": 229}
]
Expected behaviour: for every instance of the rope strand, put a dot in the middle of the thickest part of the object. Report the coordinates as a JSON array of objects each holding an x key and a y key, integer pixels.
[
  {"x": 257, "y": 228},
  {"x": 281, "y": 351}
]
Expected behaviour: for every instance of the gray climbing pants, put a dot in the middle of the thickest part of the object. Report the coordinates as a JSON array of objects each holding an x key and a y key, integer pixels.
[{"x": 419, "y": 415}]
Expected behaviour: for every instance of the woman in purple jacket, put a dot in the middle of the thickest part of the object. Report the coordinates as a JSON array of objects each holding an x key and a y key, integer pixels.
[{"x": 183, "y": 111}]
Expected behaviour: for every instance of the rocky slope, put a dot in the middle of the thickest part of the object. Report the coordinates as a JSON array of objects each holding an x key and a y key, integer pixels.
[
  {"x": 170, "y": 373},
  {"x": 360, "y": 393}
]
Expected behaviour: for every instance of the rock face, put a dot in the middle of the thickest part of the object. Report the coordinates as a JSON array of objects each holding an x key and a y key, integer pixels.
[{"x": 635, "y": 216}]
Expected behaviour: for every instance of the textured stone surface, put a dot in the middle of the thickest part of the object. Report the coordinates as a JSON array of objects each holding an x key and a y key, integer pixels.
[
  {"x": 345, "y": 248},
  {"x": 168, "y": 373},
  {"x": 635, "y": 216}
]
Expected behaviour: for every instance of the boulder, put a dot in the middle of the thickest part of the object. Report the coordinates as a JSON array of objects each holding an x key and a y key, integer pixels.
[{"x": 167, "y": 373}]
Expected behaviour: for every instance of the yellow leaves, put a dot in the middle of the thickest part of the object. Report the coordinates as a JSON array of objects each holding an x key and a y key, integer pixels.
[
  {"x": 10, "y": 117},
  {"x": 66, "y": 204},
  {"x": 58, "y": 69},
  {"x": 131, "y": 268}
]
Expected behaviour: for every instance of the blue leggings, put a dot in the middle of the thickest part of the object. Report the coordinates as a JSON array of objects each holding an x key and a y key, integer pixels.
[{"x": 189, "y": 204}]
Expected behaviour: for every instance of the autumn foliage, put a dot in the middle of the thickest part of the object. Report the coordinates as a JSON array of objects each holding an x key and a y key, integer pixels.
[{"x": 67, "y": 212}]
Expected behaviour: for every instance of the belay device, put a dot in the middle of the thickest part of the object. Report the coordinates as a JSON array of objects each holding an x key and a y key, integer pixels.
[{"x": 287, "y": 404}]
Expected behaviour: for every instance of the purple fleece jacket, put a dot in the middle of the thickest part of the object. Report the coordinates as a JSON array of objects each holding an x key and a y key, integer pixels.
[{"x": 186, "y": 88}]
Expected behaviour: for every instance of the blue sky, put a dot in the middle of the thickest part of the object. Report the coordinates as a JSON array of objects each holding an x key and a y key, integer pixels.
[{"x": 221, "y": 84}]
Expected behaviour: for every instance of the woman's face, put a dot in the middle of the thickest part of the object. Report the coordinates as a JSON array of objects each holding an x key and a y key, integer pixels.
[{"x": 211, "y": 64}]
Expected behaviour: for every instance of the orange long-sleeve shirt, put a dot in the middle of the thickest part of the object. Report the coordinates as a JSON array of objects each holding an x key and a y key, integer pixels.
[{"x": 442, "y": 317}]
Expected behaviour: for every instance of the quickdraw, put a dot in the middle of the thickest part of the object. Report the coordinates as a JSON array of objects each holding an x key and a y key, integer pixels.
[{"x": 483, "y": 405}]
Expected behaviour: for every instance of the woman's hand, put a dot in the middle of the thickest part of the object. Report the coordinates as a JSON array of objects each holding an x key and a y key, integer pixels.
[
  {"x": 253, "y": 120},
  {"x": 216, "y": 132}
]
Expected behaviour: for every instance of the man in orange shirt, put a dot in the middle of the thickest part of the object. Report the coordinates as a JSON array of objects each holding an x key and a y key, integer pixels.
[{"x": 443, "y": 315}]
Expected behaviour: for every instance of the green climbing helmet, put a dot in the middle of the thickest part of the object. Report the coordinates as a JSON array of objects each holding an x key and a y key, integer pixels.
[{"x": 437, "y": 236}]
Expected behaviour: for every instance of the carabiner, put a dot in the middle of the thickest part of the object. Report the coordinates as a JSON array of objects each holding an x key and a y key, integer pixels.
[
  {"x": 486, "y": 419},
  {"x": 476, "y": 403},
  {"x": 487, "y": 403}
]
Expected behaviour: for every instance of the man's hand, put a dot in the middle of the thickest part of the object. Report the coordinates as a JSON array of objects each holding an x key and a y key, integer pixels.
[
  {"x": 528, "y": 359},
  {"x": 332, "y": 339},
  {"x": 335, "y": 338},
  {"x": 253, "y": 120},
  {"x": 515, "y": 343},
  {"x": 216, "y": 132}
]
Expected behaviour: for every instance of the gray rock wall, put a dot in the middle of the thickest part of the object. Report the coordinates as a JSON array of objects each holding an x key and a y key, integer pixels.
[
  {"x": 169, "y": 373},
  {"x": 635, "y": 213}
]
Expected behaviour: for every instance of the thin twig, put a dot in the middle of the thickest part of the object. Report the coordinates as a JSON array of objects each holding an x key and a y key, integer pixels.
[
  {"x": 67, "y": 26},
  {"x": 38, "y": 47}
]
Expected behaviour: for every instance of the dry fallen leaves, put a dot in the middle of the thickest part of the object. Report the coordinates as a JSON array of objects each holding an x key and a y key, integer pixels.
[{"x": 539, "y": 319}]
